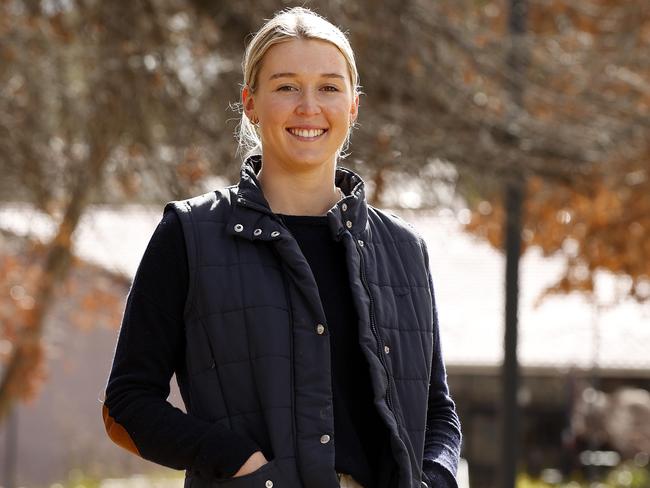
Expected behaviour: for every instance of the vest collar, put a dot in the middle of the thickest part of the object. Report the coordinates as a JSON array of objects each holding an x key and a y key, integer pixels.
[{"x": 253, "y": 219}]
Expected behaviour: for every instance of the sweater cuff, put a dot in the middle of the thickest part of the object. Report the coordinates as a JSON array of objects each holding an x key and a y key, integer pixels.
[
  {"x": 437, "y": 476},
  {"x": 222, "y": 452}
]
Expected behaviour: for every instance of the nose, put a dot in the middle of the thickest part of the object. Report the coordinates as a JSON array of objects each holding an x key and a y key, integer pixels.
[{"x": 308, "y": 104}]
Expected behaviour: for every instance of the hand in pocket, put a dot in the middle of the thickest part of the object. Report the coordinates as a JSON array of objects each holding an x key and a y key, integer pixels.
[{"x": 253, "y": 463}]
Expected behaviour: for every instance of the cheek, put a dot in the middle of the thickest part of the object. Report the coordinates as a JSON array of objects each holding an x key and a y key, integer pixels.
[
  {"x": 340, "y": 113},
  {"x": 278, "y": 109}
]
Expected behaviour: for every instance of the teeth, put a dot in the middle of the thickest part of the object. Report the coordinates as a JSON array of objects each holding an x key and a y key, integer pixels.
[{"x": 307, "y": 132}]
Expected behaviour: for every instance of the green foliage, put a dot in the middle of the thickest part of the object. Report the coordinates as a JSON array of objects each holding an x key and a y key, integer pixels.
[
  {"x": 166, "y": 479},
  {"x": 626, "y": 475}
]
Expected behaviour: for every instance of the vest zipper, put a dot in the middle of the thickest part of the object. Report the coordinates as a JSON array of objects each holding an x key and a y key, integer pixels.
[{"x": 373, "y": 327}]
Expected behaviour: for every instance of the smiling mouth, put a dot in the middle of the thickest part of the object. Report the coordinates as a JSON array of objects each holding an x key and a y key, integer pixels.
[{"x": 307, "y": 134}]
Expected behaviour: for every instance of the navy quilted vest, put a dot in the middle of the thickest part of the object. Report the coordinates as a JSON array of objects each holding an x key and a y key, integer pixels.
[{"x": 256, "y": 361}]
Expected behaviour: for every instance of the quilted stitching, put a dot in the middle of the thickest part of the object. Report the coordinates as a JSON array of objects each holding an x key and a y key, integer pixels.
[{"x": 253, "y": 318}]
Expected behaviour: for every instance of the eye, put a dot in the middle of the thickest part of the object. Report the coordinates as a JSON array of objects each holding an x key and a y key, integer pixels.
[
  {"x": 330, "y": 88},
  {"x": 285, "y": 88}
]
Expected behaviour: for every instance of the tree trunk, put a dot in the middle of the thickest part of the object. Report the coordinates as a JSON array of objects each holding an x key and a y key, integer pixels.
[
  {"x": 514, "y": 195},
  {"x": 26, "y": 356}
]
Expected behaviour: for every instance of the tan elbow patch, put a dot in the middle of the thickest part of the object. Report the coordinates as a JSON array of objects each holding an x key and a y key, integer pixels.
[{"x": 117, "y": 433}]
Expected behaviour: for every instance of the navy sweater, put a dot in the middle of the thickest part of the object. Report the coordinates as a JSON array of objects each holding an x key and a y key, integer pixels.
[{"x": 151, "y": 345}]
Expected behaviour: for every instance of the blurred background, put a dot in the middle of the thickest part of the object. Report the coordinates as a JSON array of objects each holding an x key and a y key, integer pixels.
[{"x": 513, "y": 134}]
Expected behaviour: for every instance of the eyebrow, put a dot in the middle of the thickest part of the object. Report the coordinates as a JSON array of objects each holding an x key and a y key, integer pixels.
[{"x": 293, "y": 75}]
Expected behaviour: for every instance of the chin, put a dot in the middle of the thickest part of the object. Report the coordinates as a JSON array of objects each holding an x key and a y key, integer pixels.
[{"x": 312, "y": 159}]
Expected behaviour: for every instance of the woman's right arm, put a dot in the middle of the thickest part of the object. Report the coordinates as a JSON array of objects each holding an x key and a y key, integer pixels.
[{"x": 151, "y": 345}]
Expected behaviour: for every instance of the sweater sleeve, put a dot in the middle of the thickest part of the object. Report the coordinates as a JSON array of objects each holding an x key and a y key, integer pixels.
[
  {"x": 150, "y": 348},
  {"x": 442, "y": 441}
]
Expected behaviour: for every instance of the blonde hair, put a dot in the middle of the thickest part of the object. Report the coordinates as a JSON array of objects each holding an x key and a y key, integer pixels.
[{"x": 289, "y": 24}]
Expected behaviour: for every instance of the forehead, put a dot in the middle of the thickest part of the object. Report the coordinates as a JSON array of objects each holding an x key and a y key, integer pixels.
[{"x": 303, "y": 57}]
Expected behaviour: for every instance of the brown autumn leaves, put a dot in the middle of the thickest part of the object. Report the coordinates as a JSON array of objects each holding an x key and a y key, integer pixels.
[{"x": 597, "y": 213}]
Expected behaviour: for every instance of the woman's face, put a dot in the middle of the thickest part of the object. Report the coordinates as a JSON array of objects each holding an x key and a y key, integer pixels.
[{"x": 304, "y": 102}]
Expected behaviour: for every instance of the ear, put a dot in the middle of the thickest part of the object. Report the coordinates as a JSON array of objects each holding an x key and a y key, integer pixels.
[
  {"x": 354, "y": 109},
  {"x": 248, "y": 102}
]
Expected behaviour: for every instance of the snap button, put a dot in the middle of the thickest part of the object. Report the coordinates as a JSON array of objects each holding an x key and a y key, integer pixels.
[
  {"x": 344, "y": 206},
  {"x": 239, "y": 227},
  {"x": 386, "y": 349},
  {"x": 320, "y": 328},
  {"x": 360, "y": 243},
  {"x": 348, "y": 224},
  {"x": 275, "y": 233},
  {"x": 268, "y": 484},
  {"x": 257, "y": 232},
  {"x": 324, "y": 439}
]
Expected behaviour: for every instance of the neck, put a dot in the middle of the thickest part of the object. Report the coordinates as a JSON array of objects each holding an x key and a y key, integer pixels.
[{"x": 310, "y": 192}]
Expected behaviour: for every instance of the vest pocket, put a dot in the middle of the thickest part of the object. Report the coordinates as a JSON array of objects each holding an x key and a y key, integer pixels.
[
  {"x": 262, "y": 470},
  {"x": 266, "y": 476}
]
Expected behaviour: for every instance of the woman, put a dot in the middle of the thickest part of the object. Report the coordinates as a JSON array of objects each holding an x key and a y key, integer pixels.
[{"x": 299, "y": 320}]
